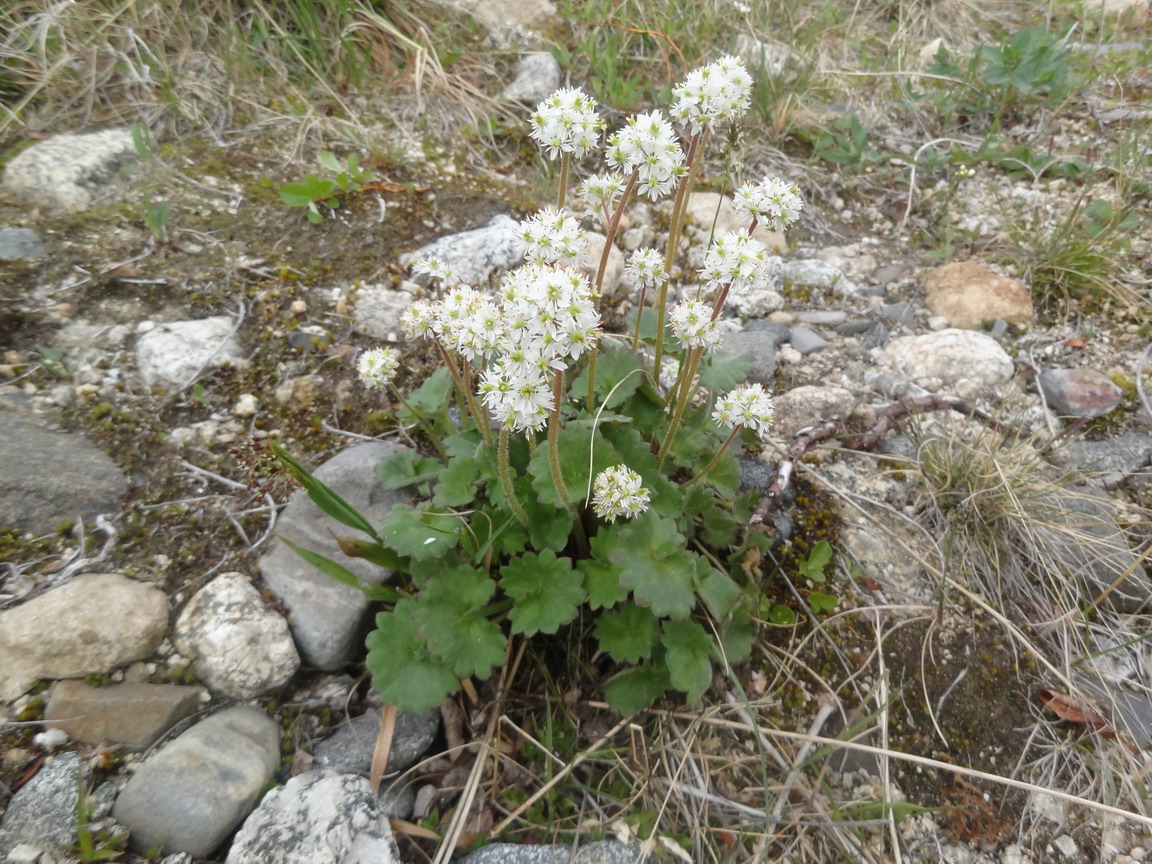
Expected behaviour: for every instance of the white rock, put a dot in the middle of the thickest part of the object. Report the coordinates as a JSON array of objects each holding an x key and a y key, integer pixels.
[
  {"x": 246, "y": 405},
  {"x": 967, "y": 362},
  {"x": 538, "y": 75},
  {"x": 378, "y": 310},
  {"x": 50, "y": 739},
  {"x": 177, "y": 351},
  {"x": 478, "y": 255},
  {"x": 238, "y": 645},
  {"x": 805, "y": 406},
  {"x": 71, "y": 173},
  {"x": 1066, "y": 845},
  {"x": 814, "y": 273}
]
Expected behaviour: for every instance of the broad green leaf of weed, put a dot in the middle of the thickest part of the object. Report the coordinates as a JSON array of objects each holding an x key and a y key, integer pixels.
[
  {"x": 432, "y": 395},
  {"x": 547, "y": 590},
  {"x": 725, "y": 475},
  {"x": 719, "y": 592},
  {"x": 462, "y": 444},
  {"x": 820, "y": 602},
  {"x": 738, "y": 634},
  {"x": 818, "y": 559},
  {"x": 689, "y": 656},
  {"x": 696, "y": 499},
  {"x": 717, "y": 527},
  {"x": 636, "y": 453},
  {"x": 457, "y": 486},
  {"x": 402, "y": 670},
  {"x": 574, "y": 446},
  {"x": 636, "y": 688},
  {"x": 406, "y": 468},
  {"x": 451, "y": 618},
  {"x": 627, "y": 633},
  {"x": 420, "y": 534},
  {"x": 722, "y": 372},
  {"x": 613, "y": 368},
  {"x": 549, "y": 526},
  {"x": 602, "y": 582},
  {"x": 655, "y": 567}
]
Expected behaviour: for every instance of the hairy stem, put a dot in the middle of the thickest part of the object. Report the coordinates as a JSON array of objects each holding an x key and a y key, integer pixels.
[{"x": 506, "y": 480}]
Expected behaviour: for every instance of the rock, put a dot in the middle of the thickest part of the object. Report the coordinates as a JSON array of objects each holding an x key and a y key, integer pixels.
[
  {"x": 852, "y": 260},
  {"x": 889, "y": 273},
  {"x": 19, "y": 243},
  {"x": 760, "y": 349},
  {"x": 703, "y": 214},
  {"x": 967, "y": 362},
  {"x": 378, "y": 311},
  {"x": 239, "y": 646},
  {"x": 1079, "y": 392},
  {"x": 589, "y": 263},
  {"x": 967, "y": 295},
  {"x": 71, "y": 173},
  {"x": 491, "y": 14},
  {"x": 855, "y": 327},
  {"x": 131, "y": 715},
  {"x": 349, "y": 749},
  {"x": 814, "y": 273},
  {"x": 42, "y": 813},
  {"x": 48, "y": 478},
  {"x": 1114, "y": 454},
  {"x": 807, "y": 341},
  {"x": 92, "y": 624},
  {"x": 174, "y": 353},
  {"x": 597, "y": 852},
  {"x": 327, "y": 618},
  {"x": 538, "y": 76},
  {"x": 318, "y": 817},
  {"x": 476, "y": 256},
  {"x": 768, "y": 58},
  {"x": 900, "y": 312},
  {"x": 825, "y": 317},
  {"x": 193, "y": 793},
  {"x": 806, "y": 406}
]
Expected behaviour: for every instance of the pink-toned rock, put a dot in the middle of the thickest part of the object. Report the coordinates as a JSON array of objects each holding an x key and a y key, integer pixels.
[
  {"x": 1079, "y": 392},
  {"x": 133, "y": 715},
  {"x": 967, "y": 294}
]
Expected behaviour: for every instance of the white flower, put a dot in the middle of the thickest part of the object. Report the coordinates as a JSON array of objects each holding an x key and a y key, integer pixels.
[
  {"x": 519, "y": 398},
  {"x": 771, "y": 200},
  {"x": 648, "y": 146},
  {"x": 377, "y": 366},
  {"x": 566, "y": 122},
  {"x": 645, "y": 268},
  {"x": 602, "y": 191},
  {"x": 452, "y": 312},
  {"x": 617, "y": 492},
  {"x": 418, "y": 320},
  {"x": 712, "y": 95},
  {"x": 435, "y": 268},
  {"x": 748, "y": 406},
  {"x": 735, "y": 259},
  {"x": 691, "y": 323},
  {"x": 551, "y": 237}
]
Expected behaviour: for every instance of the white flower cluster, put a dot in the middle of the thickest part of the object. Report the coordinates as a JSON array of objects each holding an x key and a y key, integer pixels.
[
  {"x": 378, "y": 366},
  {"x": 551, "y": 236},
  {"x": 748, "y": 406},
  {"x": 435, "y": 268},
  {"x": 602, "y": 191},
  {"x": 712, "y": 95},
  {"x": 737, "y": 260},
  {"x": 691, "y": 323},
  {"x": 616, "y": 491},
  {"x": 645, "y": 268},
  {"x": 566, "y": 122},
  {"x": 772, "y": 200},
  {"x": 648, "y": 146}
]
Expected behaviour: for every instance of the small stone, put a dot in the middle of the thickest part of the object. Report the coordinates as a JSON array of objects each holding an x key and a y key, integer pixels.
[
  {"x": 19, "y": 243},
  {"x": 192, "y": 794},
  {"x": 71, "y": 173},
  {"x": 378, "y": 310},
  {"x": 808, "y": 405},
  {"x": 479, "y": 255},
  {"x": 900, "y": 312},
  {"x": 52, "y": 739},
  {"x": 350, "y": 749},
  {"x": 1066, "y": 845},
  {"x": 711, "y": 209},
  {"x": 133, "y": 715},
  {"x": 760, "y": 349},
  {"x": 538, "y": 76},
  {"x": 854, "y": 327},
  {"x": 492, "y": 14},
  {"x": 966, "y": 295},
  {"x": 967, "y": 361},
  {"x": 246, "y": 405},
  {"x": 174, "y": 353},
  {"x": 812, "y": 272},
  {"x": 1079, "y": 392},
  {"x": 825, "y": 317},
  {"x": 807, "y": 341},
  {"x": 42, "y": 813}
]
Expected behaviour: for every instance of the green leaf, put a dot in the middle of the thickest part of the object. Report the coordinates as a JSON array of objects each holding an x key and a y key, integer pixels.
[
  {"x": 296, "y": 194},
  {"x": 328, "y": 567},
  {"x": 452, "y": 621},
  {"x": 329, "y": 161},
  {"x": 402, "y": 670},
  {"x": 547, "y": 591},
  {"x": 574, "y": 445},
  {"x": 324, "y": 496},
  {"x": 696, "y": 500},
  {"x": 689, "y": 656},
  {"x": 420, "y": 534},
  {"x": 636, "y": 688},
  {"x": 655, "y": 566},
  {"x": 822, "y": 602},
  {"x": 462, "y": 444},
  {"x": 613, "y": 368},
  {"x": 549, "y": 526},
  {"x": 725, "y": 475},
  {"x": 627, "y": 633},
  {"x": 722, "y": 372},
  {"x": 719, "y": 593},
  {"x": 717, "y": 527},
  {"x": 782, "y": 616},
  {"x": 457, "y": 486},
  {"x": 818, "y": 559},
  {"x": 601, "y": 577},
  {"x": 738, "y": 634},
  {"x": 432, "y": 395},
  {"x": 636, "y": 453},
  {"x": 406, "y": 468}
]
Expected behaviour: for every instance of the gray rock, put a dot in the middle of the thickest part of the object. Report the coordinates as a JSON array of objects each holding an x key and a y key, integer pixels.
[
  {"x": 1114, "y": 454},
  {"x": 1079, "y": 392},
  {"x": 193, "y": 793},
  {"x": 133, "y": 715},
  {"x": 854, "y": 327},
  {"x": 814, "y": 273},
  {"x": 327, "y": 618},
  {"x": 398, "y": 801},
  {"x": 877, "y": 337},
  {"x": 776, "y": 60},
  {"x": 175, "y": 352},
  {"x": 806, "y": 406},
  {"x": 19, "y": 243},
  {"x": 349, "y": 750},
  {"x": 968, "y": 362},
  {"x": 239, "y": 646},
  {"x": 538, "y": 76},
  {"x": 72, "y": 173},
  {"x": 42, "y": 813},
  {"x": 318, "y": 817},
  {"x": 821, "y": 316},
  {"x": 807, "y": 341},
  {"x": 760, "y": 301},
  {"x": 759, "y": 347},
  {"x": 533, "y": 14},
  {"x": 378, "y": 311},
  {"x": 599, "y": 852},
  {"x": 900, "y": 312},
  {"x": 889, "y": 273},
  {"x": 48, "y": 478},
  {"x": 93, "y": 624},
  {"x": 476, "y": 256}
]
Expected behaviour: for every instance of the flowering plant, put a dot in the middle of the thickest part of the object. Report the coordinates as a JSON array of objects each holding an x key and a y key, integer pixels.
[{"x": 589, "y": 480}]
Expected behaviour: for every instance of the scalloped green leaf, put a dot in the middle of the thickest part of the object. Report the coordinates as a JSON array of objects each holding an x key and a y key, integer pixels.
[
  {"x": 547, "y": 592},
  {"x": 406, "y": 468},
  {"x": 457, "y": 486},
  {"x": 655, "y": 567},
  {"x": 574, "y": 446},
  {"x": 636, "y": 688},
  {"x": 721, "y": 372},
  {"x": 627, "y": 632},
  {"x": 450, "y": 612},
  {"x": 402, "y": 670},
  {"x": 421, "y": 534},
  {"x": 689, "y": 656}
]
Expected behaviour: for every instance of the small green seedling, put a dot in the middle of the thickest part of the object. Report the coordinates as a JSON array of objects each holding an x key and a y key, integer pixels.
[{"x": 313, "y": 191}]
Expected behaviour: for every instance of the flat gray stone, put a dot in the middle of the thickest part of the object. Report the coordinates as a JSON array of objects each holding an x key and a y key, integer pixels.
[
  {"x": 598, "y": 852},
  {"x": 807, "y": 341},
  {"x": 538, "y": 76},
  {"x": 318, "y": 817},
  {"x": 42, "y": 813},
  {"x": 759, "y": 346},
  {"x": 349, "y": 749},
  {"x": 812, "y": 272},
  {"x": 1113, "y": 454},
  {"x": 479, "y": 255},
  {"x": 173, "y": 353},
  {"x": 808, "y": 405},
  {"x": 825, "y": 317},
  {"x": 71, "y": 173},
  {"x": 133, "y": 715},
  {"x": 193, "y": 793},
  {"x": 19, "y": 243},
  {"x": 378, "y": 311},
  {"x": 328, "y": 619},
  {"x": 48, "y": 478}
]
